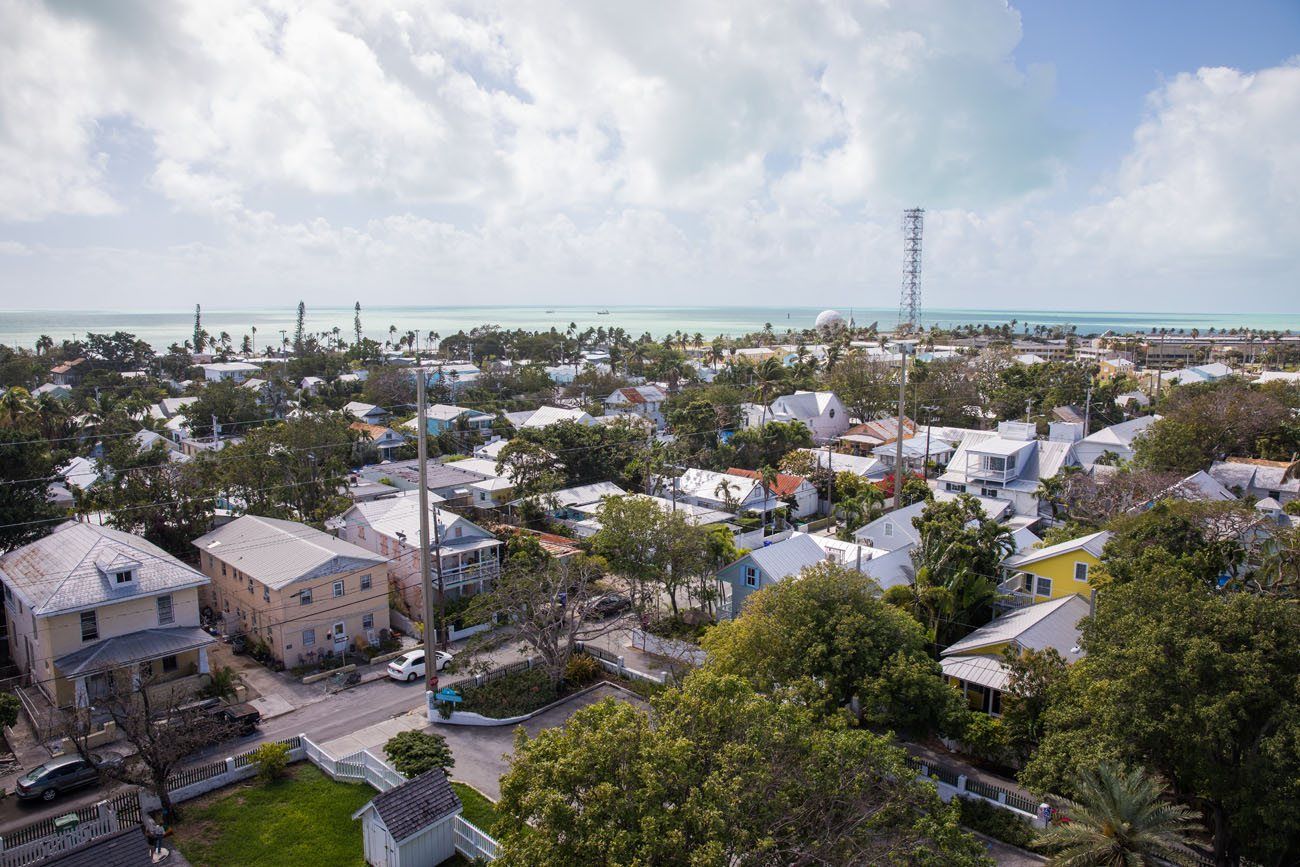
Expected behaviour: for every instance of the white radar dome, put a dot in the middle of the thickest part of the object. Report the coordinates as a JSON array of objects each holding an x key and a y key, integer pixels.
[{"x": 829, "y": 319}]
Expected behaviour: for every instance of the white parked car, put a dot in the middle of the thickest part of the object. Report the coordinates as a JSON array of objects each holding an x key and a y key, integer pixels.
[{"x": 410, "y": 666}]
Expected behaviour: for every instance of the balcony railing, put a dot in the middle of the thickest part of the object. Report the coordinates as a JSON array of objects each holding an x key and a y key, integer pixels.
[{"x": 470, "y": 573}]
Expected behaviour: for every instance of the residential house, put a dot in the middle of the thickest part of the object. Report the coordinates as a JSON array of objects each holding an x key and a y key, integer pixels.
[
  {"x": 363, "y": 490},
  {"x": 87, "y": 604},
  {"x": 440, "y": 418},
  {"x": 59, "y": 392},
  {"x": 867, "y": 466},
  {"x": 386, "y": 441},
  {"x": 544, "y": 416},
  {"x": 1252, "y": 477},
  {"x": 366, "y": 412},
  {"x": 497, "y": 489},
  {"x": 1008, "y": 464},
  {"x": 573, "y": 505},
  {"x": 1132, "y": 401},
  {"x": 465, "y": 555},
  {"x": 588, "y": 523},
  {"x": 862, "y": 439},
  {"x": 311, "y": 385},
  {"x": 789, "y": 489},
  {"x": 820, "y": 411},
  {"x": 491, "y": 451},
  {"x": 722, "y": 491},
  {"x": 645, "y": 401},
  {"x": 449, "y": 481},
  {"x": 1114, "y": 443},
  {"x": 1288, "y": 376},
  {"x": 412, "y": 824},
  {"x": 919, "y": 449},
  {"x": 1110, "y": 368},
  {"x": 1057, "y": 570},
  {"x": 977, "y": 666},
  {"x": 229, "y": 371},
  {"x": 1212, "y": 372},
  {"x": 303, "y": 593},
  {"x": 455, "y": 375},
  {"x": 1028, "y": 359},
  {"x": 778, "y": 561},
  {"x": 69, "y": 373},
  {"x": 170, "y": 407}
]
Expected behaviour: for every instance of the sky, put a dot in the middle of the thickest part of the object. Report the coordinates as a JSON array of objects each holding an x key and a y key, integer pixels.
[{"x": 1109, "y": 154}]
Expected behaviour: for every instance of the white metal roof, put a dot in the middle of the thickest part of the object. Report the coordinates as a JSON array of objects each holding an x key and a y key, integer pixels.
[
  {"x": 1054, "y": 623},
  {"x": 278, "y": 552},
  {"x": 1093, "y": 543}
]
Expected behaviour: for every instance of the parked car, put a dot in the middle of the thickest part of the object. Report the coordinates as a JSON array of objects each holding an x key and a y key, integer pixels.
[
  {"x": 57, "y": 776},
  {"x": 243, "y": 717},
  {"x": 410, "y": 666},
  {"x": 610, "y": 604}
]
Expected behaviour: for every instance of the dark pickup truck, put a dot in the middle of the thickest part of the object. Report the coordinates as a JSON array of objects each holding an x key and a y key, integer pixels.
[{"x": 243, "y": 717}]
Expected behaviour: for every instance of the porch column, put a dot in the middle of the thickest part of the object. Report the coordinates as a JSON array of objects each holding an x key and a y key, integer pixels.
[
  {"x": 203, "y": 660},
  {"x": 83, "y": 696}
]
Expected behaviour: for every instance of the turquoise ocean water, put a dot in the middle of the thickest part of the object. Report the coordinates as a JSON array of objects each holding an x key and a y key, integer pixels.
[{"x": 164, "y": 327}]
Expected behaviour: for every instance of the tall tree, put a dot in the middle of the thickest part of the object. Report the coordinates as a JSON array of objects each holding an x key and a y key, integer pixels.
[
  {"x": 26, "y": 466},
  {"x": 300, "y": 330},
  {"x": 724, "y": 776},
  {"x": 199, "y": 333},
  {"x": 1198, "y": 685},
  {"x": 356, "y": 322}
]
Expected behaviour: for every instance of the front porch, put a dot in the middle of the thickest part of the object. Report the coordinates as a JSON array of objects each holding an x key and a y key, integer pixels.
[{"x": 161, "y": 660}]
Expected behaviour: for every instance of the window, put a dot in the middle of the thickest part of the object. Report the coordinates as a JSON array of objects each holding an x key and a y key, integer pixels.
[
  {"x": 305, "y": 596},
  {"x": 266, "y": 594},
  {"x": 123, "y": 577},
  {"x": 361, "y": 532},
  {"x": 457, "y": 533},
  {"x": 383, "y": 544},
  {"x": 1044, "y": 586},
  {"x": 209, "y": 561},
  {"x": 955, "y": 488},
  {"x": 226, "y": 606},
  {"x": 165, "y": 613},
  {"x": 308, "y": 637},
  {"x": 991, "y": 493},
  {"x": 889, "y": 529},
  {"x": 365, "y": 582},
  {"x": 368, "y": 621},
  {"x": 751, "y": 576},
  {"x": 338, "y": 589},
  {"x": 250, "y": 586},
  {"x": 169, "y": 663},
  {"x": 1081, "y": 572},
  {"x": 89, "y": 626},
  {"x": 223, "y": 569}
]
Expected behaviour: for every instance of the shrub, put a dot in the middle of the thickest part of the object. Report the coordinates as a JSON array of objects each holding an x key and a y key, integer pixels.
[
  {"x": 986, "y": 738},
  {"x": 1000, "y": 824},
  {"x": 515, "y": 694},
  {"x": 221, "y": 683},
  {"x": 9, "y": 705},
  {"x": 415, "y": 752},
  {"x": 581, "y": 670},
  {"x": 271, "y": 760}
]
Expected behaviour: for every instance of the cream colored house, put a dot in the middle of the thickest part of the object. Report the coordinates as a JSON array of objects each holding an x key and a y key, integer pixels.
[
  {"x": 87, "y": 603},
  {"x": 301, "y": 592},
  {"x": 391, "y": 527}
]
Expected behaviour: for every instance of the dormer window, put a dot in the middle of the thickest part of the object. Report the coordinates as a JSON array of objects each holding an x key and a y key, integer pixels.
[{"x": 125, "y": 576}]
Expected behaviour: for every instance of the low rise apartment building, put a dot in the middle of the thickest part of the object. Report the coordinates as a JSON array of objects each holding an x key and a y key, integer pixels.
[{"x": 301, "y": 592}]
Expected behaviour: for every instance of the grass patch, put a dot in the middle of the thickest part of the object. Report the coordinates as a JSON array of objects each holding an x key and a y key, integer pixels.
[
  {"x": 305, "y": 818},
  {"x": 478, "y": 809}
]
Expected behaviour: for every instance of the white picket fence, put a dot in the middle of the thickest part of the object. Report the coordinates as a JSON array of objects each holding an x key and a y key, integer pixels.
[
  {"x": 24, "y": 854},
  {"x": 472, "y": 842}
]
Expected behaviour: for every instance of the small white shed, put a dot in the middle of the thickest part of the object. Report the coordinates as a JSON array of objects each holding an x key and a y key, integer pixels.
[{"x": 411, "y": 825}]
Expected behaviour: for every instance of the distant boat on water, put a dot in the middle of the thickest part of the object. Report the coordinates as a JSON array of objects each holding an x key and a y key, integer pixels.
[
  {"x": 602, "y": 312},
  {"x": 550, "y": 311}
]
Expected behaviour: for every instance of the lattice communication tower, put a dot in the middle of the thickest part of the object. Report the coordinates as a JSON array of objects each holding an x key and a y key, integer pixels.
[{"x": 909, "y": 306}]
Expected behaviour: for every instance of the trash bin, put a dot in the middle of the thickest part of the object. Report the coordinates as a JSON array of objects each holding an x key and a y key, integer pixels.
[{"x": 67, "y": 822}]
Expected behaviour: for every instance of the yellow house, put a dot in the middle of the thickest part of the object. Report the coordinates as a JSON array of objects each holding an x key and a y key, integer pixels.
[
  {"x": 88, "y": 607},
  {"x": 1052, "y": 572},
  {"x": 303, "y": 593},
  {"x": 976, "y": 664}
]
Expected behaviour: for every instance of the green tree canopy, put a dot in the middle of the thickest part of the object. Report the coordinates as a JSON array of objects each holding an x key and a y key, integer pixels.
[
  {"x": 1198, "y": 685},
  {"x": 725, "y": 776}
]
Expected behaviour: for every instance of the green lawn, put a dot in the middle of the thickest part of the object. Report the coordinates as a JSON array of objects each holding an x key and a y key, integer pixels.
[
  {"x": 478, "y": 809},
  {"x": 305, "y": 818}
]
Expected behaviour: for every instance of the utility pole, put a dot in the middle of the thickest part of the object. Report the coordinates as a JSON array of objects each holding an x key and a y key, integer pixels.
[
  {"x": 898, "y": 442},
  {"x": 830, "y": 491},
  {"x": 426, "y": 582},
  {"x": 1087, "y": 409},
  {"x": 925, "y": 463}
]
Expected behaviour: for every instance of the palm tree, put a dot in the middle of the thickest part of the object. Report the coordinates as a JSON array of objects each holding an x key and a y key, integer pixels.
[
  {"x": 15, "y": 406},
  {"x": 44, "y": 344},
  {"x": 767, "y": 376},
  {"x": 1121, "y": 818},
  {"x": 725, "y": 491},
  {"x": 767, "y": 480}
]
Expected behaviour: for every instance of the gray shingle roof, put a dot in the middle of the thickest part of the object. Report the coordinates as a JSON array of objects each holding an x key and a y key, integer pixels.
[
  {"x": 416, "y": 804},
  {"x": 62, "y": 572},
  {"x": 787, "y": 557},
  {"x": 278, "y": 553},
  {"x": 126, "y": 848},
  {"x": 1054, "y": 623},
  {"x": 139, "y": 646}
]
